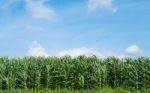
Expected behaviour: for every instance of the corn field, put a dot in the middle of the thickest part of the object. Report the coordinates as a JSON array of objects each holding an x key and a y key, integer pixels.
[{"x": 74, "y": 73}]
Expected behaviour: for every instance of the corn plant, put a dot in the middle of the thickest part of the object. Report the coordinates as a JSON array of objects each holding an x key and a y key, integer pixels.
[{"x": 74, "y": 73}]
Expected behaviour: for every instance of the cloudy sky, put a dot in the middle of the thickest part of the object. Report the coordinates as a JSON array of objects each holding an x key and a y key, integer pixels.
[{"x": 60, "y": 27}]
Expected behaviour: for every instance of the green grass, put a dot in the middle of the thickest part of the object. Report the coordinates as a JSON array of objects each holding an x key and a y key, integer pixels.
[{"x": 104, "y": 90}]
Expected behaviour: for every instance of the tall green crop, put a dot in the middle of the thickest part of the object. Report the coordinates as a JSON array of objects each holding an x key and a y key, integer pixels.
[{"x": 74, "y": 73}]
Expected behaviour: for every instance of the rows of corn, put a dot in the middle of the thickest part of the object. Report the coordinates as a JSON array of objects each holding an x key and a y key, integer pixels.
[{"x": 74, "y": 73}]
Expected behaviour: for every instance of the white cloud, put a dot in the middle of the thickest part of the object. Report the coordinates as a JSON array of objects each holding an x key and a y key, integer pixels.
[
  {"x": 89, "y": 52},
  {"x": 101, "y": 4},
  {"x": 133, "y": 49},
  {"x": 36, "y": 49},
  {"x": 116, "y": 55},
  {"x": 80, "y": 51},
  {"x": 38, "y": 9}
]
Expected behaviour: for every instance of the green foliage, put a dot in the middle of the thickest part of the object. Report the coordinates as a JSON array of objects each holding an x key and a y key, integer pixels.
[
  {"x": 74, "y": 73},
  {"x": 104, "y": 90}
]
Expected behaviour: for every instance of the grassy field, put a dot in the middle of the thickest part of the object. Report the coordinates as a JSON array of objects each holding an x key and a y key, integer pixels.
[{"x": 104, "y": 90}]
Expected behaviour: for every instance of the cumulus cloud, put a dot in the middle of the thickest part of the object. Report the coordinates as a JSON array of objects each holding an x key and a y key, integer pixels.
[
  {"x": 36, "y": 49},
  {"x": 116, "y": 55},
  {"x": 89, "y": 52},
  {"x": 133, "y": 49},
  {"x": 80, "y": 51},
  {"x": 38, "y": 9},
  {"x": 101, "y": 4}
]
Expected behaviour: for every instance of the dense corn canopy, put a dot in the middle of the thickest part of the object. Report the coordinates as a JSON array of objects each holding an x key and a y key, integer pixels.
[{"x": 75, "y": 73}]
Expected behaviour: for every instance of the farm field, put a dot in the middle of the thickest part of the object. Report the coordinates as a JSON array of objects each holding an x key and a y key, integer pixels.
[
  {"x": 74, "y": 46},
  {"x": 80, "y": 73},
  {"x": 105, "y": 90}
]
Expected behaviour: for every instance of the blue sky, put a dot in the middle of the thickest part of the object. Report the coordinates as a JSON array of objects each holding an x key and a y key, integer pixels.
[{"x": 60, "y": 27}]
